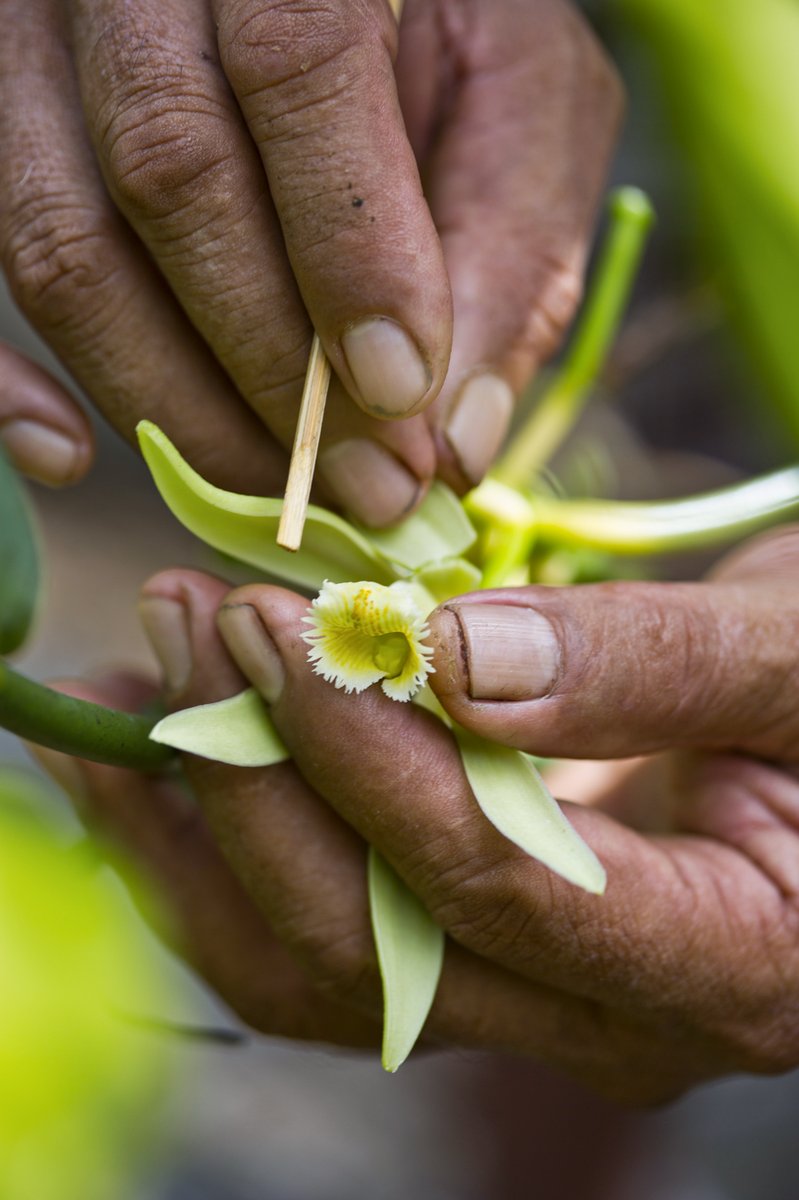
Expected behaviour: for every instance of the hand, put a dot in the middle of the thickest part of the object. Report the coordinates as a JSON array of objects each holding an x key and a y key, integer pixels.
[
  {"x": 685, "y": 970},
  {"x": 186, "y": 187},
  {"x": 42, "y": 430}
]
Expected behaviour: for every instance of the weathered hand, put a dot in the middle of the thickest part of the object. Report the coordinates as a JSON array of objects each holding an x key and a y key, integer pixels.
[
  {"x": 186, "y": 186},
  {"x": 685, "y": 970}
]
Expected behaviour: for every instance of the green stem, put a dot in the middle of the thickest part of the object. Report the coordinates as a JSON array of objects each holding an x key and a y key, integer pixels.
[
  {"x": 511, "y": 553},
  {"x": 666, "y": 526},
  {"x": 78, "y": 727},
  {"x": 631, "y": 216}
]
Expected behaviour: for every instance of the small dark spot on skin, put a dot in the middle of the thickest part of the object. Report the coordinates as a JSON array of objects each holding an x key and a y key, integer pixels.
[
  {"x": 205, "y": 56},
  {"x": 349, "y": 187},
  {"x": 357, "y": 202},
  {"x": 371, "y": 219}
]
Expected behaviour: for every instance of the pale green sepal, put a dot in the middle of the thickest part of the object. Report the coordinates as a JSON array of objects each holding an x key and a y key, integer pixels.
[
  {"x": 238, "y": 731},
  {"x": 449, "y": 578},
  {"x": 438, "y": 529},
  {"x": 518, "y": 803},
  {"x": 245, "y": 527},
  {"x": 410, "y": 951}
]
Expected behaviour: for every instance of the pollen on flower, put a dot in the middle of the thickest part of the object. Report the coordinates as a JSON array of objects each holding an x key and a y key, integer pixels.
[{"x": 362, "y": 633}]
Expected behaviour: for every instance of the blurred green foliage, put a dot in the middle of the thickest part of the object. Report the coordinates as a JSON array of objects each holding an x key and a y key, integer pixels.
[
  {"x": 729, "y": 74},
  {"x": 77, "y": 1085}
]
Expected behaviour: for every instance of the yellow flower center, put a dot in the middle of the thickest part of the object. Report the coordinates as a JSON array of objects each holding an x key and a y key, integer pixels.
[{"x": 390, "y": 653}]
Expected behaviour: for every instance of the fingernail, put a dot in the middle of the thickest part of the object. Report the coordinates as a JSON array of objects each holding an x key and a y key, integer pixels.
[
  {"x": 389, "y": 372},
  {"x": 477, "y": 425},
  {"x": 167, "y": 628},
  {"x": 512, "y": 653},
  {"x": 247, "y": 640},
  {"x": 42, "y": 453},
  {"x": 66, "y": 772},
  {"x": 368, "y": 481}
]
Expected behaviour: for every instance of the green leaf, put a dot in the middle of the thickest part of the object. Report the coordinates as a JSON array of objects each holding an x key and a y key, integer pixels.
[
  {"x": 238, "y": 731},
  {"x": 19, "y": 565},
  {"x": 438, "y": 529},
  {"x": 410, "y": 951},
  {"x": 452, "y": 577},
  {"x": 245, "y": 527},
  {"x": 518, "y": 803}
]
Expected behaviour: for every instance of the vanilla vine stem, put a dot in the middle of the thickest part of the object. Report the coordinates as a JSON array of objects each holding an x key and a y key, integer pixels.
[
  {"x": 79, "y": 727},
  {"x": 631, "y": 216}
]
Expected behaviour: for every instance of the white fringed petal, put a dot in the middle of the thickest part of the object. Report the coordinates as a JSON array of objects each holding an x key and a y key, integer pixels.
[{"x": 355, "y": 632}]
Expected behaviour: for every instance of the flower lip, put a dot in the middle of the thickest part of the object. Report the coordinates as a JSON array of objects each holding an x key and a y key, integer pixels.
[{"x": 363, "y": 633}]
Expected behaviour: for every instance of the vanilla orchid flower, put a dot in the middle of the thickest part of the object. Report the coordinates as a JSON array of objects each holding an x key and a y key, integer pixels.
[{"x": 362, "y": 633}]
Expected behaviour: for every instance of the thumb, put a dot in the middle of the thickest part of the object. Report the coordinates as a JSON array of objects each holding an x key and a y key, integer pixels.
[{"x": 619, "y": 669}]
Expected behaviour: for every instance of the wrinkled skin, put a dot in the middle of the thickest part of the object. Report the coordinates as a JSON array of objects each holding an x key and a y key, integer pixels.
[
  {"x": 687, "y": 969},
  {"x": 187, "y": 185}
]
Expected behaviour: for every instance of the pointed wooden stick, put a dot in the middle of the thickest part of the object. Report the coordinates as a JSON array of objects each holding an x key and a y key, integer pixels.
[
  {"x": 309, "y": 429},
  {"x": 306, "y": 445}
]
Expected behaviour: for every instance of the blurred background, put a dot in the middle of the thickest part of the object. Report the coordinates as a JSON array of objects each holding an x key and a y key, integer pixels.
[{"x": 703, "y": 387}]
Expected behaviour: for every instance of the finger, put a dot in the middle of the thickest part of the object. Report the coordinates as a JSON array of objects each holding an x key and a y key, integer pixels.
[
  {"x": 316, "y": 86},
  {"x": 209, "y": 917},
  {"x": 514, "y": 179},
  {"x": 181, "y": 165},
  {"x": 679, "y": 915},
  {"x": 42, "y": 429},
  {"x": 304, "y": 868},
  {"x": 84, "y": 281},
  {"x": 616, "y": 670}
]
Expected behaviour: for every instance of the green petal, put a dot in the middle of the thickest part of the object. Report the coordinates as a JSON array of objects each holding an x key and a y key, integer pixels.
[
  {"x": 410, "y": 951},
  {"x": 449, "y": 578},
  {"x": 238, "y": 731},
  {"x": 245, "y": 527},
  {"x": 19, "y": 566},
  {"x": 438, "y": 529},
  {"x": 518, "y": 803}
]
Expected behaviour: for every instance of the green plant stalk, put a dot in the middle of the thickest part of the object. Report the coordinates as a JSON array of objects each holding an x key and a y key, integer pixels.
[
  {"x": 631, "y": 216},
  {"x": 649, "y": 527},
  {"x": 78, "y": 727},
  {"x": 663, "y": 527},
  {"x": 19, "y": 560},
  {"x": 515, "y": 546}
]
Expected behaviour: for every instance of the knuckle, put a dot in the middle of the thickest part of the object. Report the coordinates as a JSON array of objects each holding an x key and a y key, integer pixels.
[
  {"x": 161, "y": 126},
  {"x": 288, "y": 45},
  {"x": 162, "y": 154},
  {"x": 58, "y": 264},
  {"x": 341, "y": 962},
  {"x": 759, "y": 1028},
  {"x": 483, "y": 903}
]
